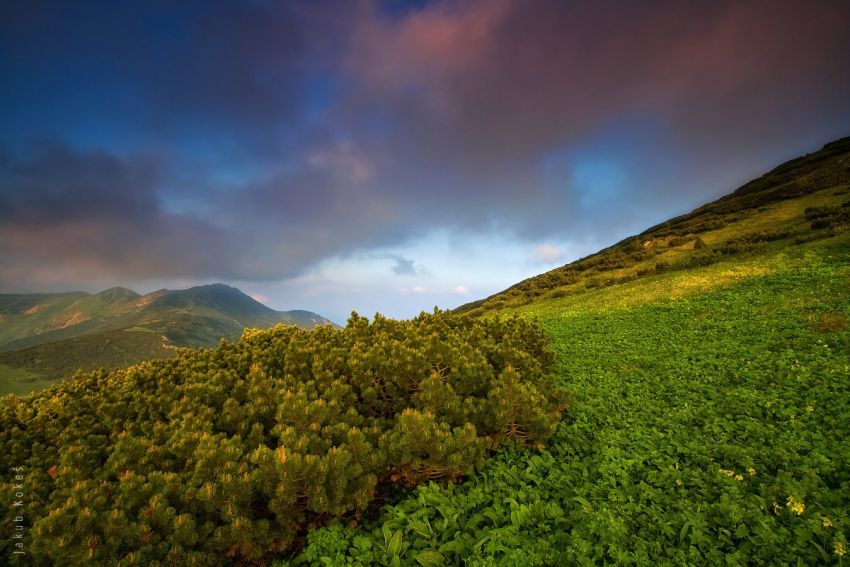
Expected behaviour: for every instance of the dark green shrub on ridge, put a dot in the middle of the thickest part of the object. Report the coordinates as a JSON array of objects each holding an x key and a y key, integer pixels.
[{"x": 230, "y": 454}]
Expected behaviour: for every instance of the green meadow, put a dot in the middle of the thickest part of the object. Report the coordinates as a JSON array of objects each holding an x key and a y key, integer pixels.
[{"x": 710, "y": 424}]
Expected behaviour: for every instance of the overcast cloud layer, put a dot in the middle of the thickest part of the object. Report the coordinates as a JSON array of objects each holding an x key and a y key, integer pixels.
[{"x": 274, "y": 143}]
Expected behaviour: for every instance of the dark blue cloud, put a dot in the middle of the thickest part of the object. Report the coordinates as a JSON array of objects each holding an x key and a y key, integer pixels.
[
  {"x": 250, "y": 140},
  {"x": 157, "y": 72},
  {"x": 58, "y": 184}
]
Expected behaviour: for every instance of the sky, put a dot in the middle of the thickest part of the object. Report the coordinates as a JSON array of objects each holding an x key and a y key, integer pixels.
[{"x": 386, "y": 156}]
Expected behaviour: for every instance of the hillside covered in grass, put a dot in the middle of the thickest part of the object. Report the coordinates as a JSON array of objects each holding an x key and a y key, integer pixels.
[
  {"x": 45, "y": 337},
  {"x": 805, "y": 199},
  {"x": 709, "y": 426},
  {"x": 709, "y": 363}
]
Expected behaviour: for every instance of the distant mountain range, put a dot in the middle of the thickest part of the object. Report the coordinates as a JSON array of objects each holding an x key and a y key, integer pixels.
[{"x": 51, "y": 335}]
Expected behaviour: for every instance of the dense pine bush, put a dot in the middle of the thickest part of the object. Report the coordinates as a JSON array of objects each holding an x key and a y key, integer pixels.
[{"x": 232, "y": 453}]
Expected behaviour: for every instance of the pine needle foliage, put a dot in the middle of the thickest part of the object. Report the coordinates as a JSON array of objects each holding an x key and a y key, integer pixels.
[{"x": 228, "y": 455}]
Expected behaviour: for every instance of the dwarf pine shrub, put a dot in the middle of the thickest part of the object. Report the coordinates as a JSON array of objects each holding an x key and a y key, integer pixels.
[{"x": 230, "y": 454}]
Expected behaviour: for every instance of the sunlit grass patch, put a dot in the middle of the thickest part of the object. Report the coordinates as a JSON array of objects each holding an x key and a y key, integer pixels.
[{"x": 19, "y": 380}]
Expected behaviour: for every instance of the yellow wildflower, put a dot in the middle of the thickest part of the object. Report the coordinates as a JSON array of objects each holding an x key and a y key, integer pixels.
[
  {"x": 739, "y": 477},
  {"x": 751, "y": 471},
  {"x": 827, "y": 523},
  {"x": 727, "y": 472},
  {"x": 796, "y": 506},
  {"x": 840, "y": 550},
  {"x": 810, "y": 409}
]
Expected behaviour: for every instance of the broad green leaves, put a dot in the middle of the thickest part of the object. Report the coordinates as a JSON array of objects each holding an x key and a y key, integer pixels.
[{"x": 707, "y": 430}]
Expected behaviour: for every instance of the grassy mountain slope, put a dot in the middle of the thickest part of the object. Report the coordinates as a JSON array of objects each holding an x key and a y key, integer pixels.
[
  {"x": 32, "y": 319},
  {"x": 43, "y": 364},
  {"x": 709, "y": 426},
  {"x": 26, "y": 319},
  {"x": 710, "y": 416},
  {"x": 47, "y": 336},
  {"x": 803, "y": 199}
]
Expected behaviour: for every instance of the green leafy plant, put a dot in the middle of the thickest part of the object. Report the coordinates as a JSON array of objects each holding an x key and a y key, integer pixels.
[{"x": 708, "y": 429}]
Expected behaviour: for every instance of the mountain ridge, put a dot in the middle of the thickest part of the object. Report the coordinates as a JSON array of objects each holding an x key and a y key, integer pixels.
[
  {"x": 801, "y": 199},
  {"x": 64, "y": 310},
  {"x": 53, "y": 334}
]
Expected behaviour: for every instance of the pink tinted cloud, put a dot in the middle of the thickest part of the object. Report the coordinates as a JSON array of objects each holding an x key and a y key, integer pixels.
[
  {"x": 424, "y": 50},
  {"x": 466, "y": 97},
  {"x": 507, "y": 77}
]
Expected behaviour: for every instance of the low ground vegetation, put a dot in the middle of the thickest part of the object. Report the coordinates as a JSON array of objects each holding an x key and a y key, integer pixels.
[{"x": 708, "y": 429}]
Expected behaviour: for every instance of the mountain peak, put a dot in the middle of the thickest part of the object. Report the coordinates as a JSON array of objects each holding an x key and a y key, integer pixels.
[
  {"x": 216, "y": 288},
  {"x": 118, "y": 293},
  {"x": 218, "y": 296},
  {"x": 213, "y": 290}
]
